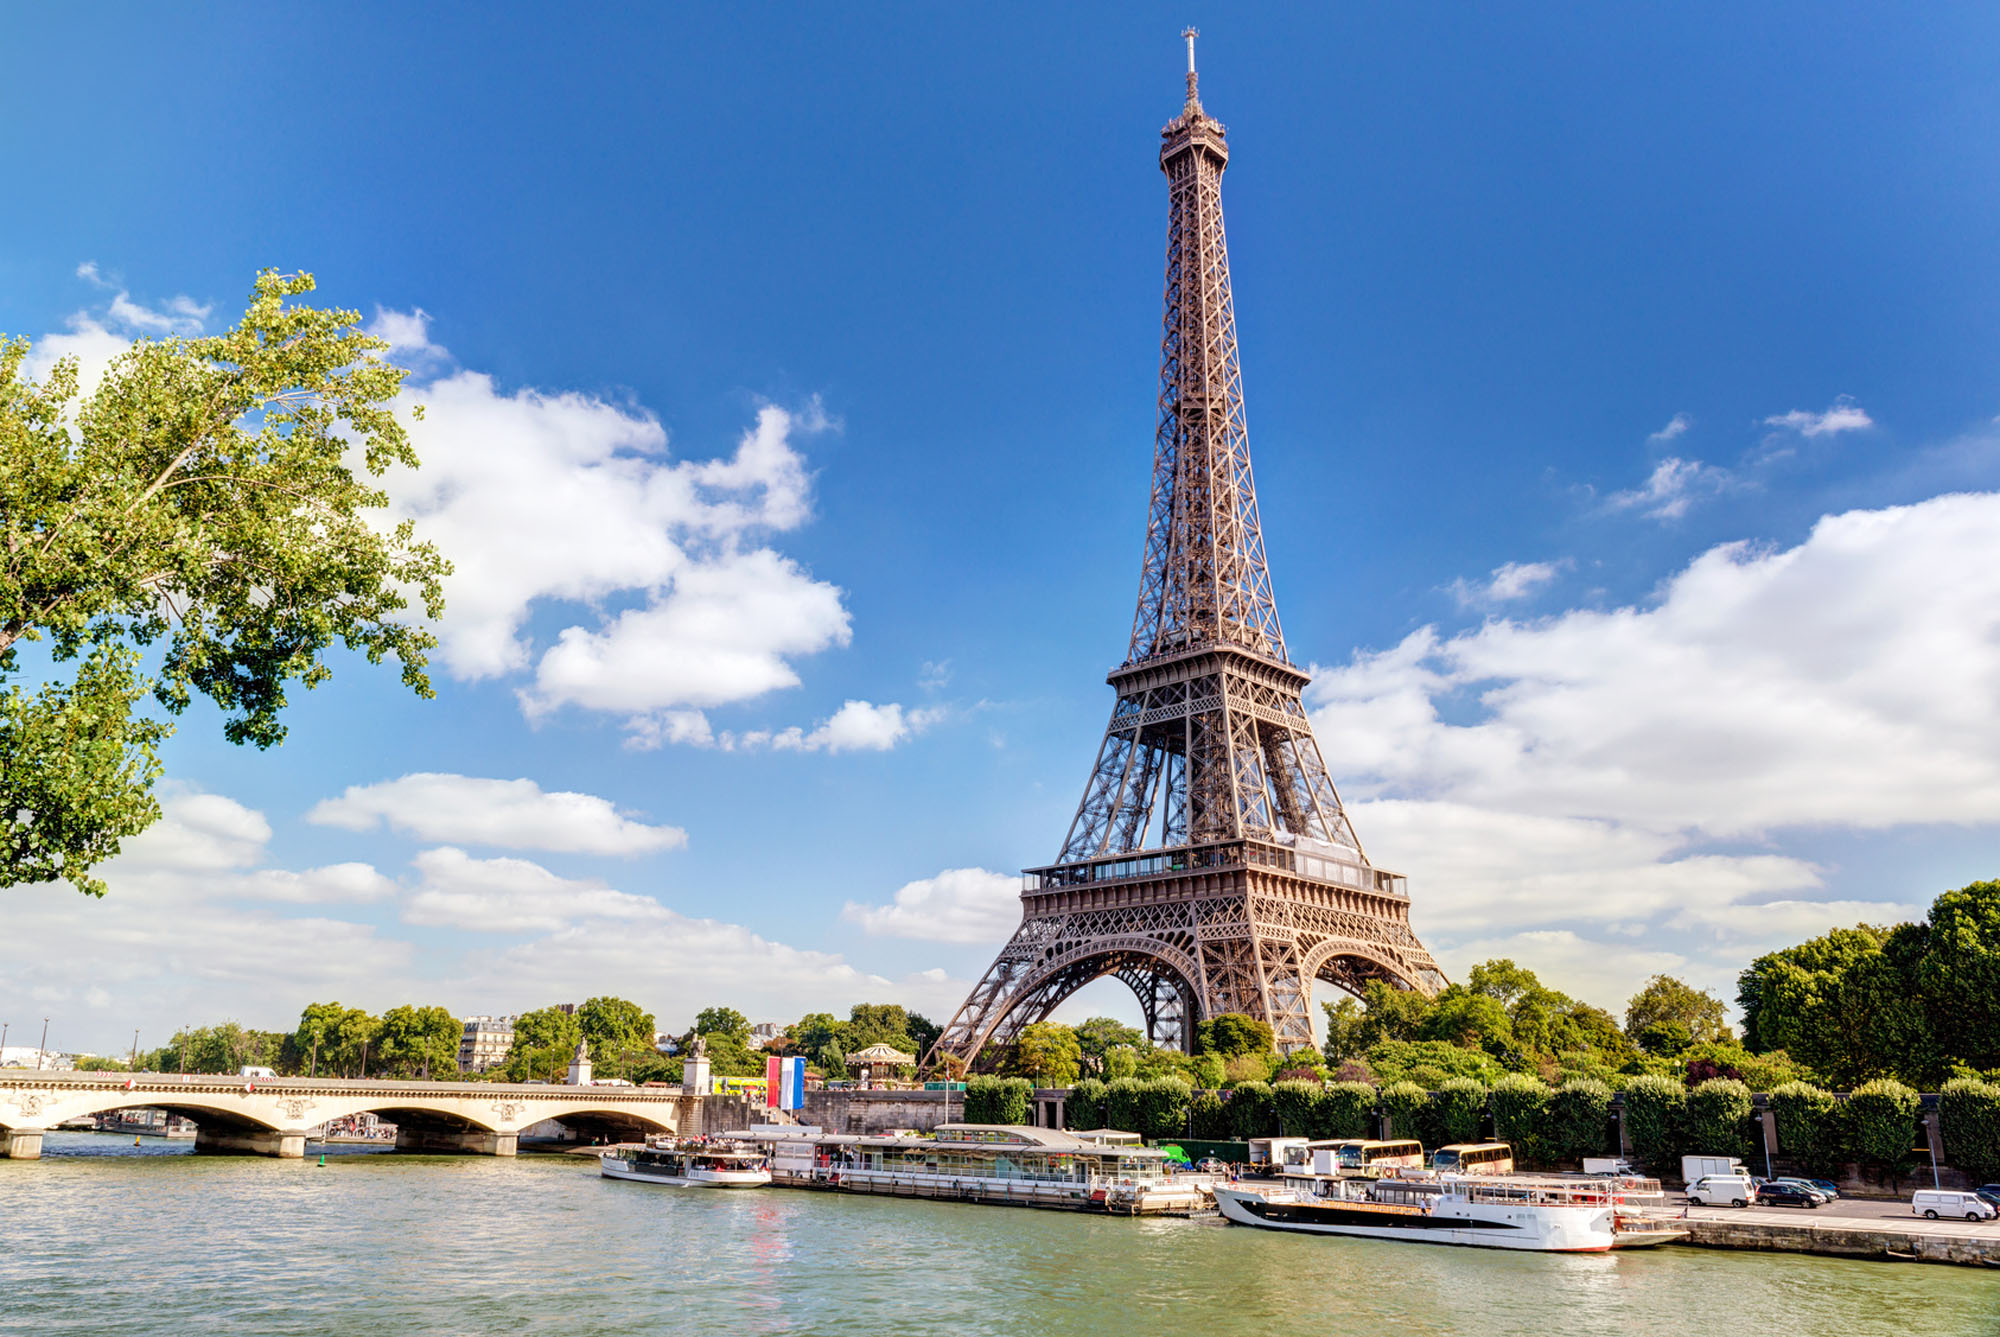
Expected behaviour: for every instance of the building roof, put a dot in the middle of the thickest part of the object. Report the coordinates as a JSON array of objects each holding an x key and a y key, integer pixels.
[{"x": 880, "y": 1053}]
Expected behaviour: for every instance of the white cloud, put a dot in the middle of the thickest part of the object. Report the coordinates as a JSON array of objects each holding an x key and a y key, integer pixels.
[
  {"x": 92, "y": 345},
  {"x": 858, "y": 726},
  {"x": 1609, "y": 767},
  {"x": 1844, "y": 416},
  {"x": 197, "y": 832},
  {"x": 408, "y": 334},
  {"x": 724, "y": 631},
  {"x": 512, "y": 896},
  {"x": 1514, "y": 580},
  {"x": 1847, "y": 681},
  {"x": 969, "y": 905},
  {"x": 1676, "y": 426},
  {"x": 335, "y": 884},
  {"x": 1674, "y": 485},
  {"x": 513, "y": 814}
]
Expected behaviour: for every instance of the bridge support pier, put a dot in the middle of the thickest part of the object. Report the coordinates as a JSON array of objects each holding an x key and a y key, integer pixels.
[
  {"x": 468, "y": 1141},
  {"x": 248, "y": 1142},
  {"x": 21, "y": 1144}
]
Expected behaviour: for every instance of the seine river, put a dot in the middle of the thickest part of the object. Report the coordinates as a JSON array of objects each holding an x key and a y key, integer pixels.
[{"x": 102, "y": 1238}]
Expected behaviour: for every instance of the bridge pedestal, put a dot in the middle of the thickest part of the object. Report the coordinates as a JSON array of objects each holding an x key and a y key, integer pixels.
[
  {"x": 21, "y": 1144},
  {"x": 469, "y": 1141},
  {"x": 248, "y": 1142}
]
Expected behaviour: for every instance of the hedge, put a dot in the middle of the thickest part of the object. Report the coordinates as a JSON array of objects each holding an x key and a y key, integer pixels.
[
  {"x": 1883, "y": 1114},
  {"x": 1163, "y": 1108},
  {"x": 1520, "y": 1103},
  {"x": 1653, "y": 1108},
  {"x": 1296, "y": 1104},
  {"x": 1250, "y": 1113},
  {"x": 1124, "y": 1105},
  {"x": 1576, "y": 1122},
  {"x": 1208, "y": 1117},
  {"x": 1452, "y": 1113},
  {"x": 1402, "y": 1101},
  {"x": 1969, "y": 1111},
  {"x": 1715, "y": 1120},
  {"x": 1085, "y": 1107},
  {"x": 997, "y": 1100},
  {"x": 1346, "y": 1109},
  {"x": 1812, "y": 1127}
]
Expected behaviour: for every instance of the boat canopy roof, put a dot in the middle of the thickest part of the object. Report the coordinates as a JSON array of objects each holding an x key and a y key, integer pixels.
[{"x": 996, "y": 1136}]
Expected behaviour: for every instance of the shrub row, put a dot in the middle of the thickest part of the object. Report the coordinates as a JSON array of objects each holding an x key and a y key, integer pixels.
[{"x": 1817, "y": 1131}]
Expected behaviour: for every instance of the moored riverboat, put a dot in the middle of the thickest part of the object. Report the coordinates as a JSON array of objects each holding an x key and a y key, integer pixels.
[
  {"x": 1541, "y": 1213},
  {"x": 689, "y": 1165},
  {"x": 1001, "y": 1164}
]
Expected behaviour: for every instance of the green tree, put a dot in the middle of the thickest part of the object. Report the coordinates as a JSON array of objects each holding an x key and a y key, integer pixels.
[
  {"x": 1469, "y": 1020},
  {"x": 1667, "y": 1015},
  {"x": 1345, "y": 1109},
  {"x": 1002, "y": 1100},
  {"x": 212, "y": 496},
  {"x": 1085, "y": 1107},
  {"x": 1124, "y": 1105},
  {"x": 1845, "y": 1004},
  {"x": 332, "y": 1040},
  {"x": 1232, "y": 1035},
  {"x": 545, "y": 1041},
  {"x": 620, "y": 1035},
  {"x": 1392, "y": 1014},
  {"x": 879, "y": 1024},
  {"x": 719, "y": 1021},
  {"x": 1296, "y": 1105},
  {"x": 1344, "y": 1022},
  {"x": 1047, "y": 1051},
  {"x": 418, "y": 1042},
  {"x": 1098, "y": 1036},
  {"x": 1163, "y": 1108},
  {"x": 1959, "y": 975}
]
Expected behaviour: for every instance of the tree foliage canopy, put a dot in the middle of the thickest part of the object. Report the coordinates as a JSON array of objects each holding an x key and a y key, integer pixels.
[{"x": 210, "y": 498}]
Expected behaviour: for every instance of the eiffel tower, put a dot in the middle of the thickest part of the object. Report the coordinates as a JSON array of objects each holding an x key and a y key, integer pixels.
[{"x": 1210, "y": 866}]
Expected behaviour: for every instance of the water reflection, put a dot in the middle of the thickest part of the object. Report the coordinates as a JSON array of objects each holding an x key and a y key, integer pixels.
[{"x": 103, "y": 1237}]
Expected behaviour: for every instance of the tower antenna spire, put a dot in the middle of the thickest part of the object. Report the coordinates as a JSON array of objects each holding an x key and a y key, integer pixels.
[{"x": 1189, "y": 34}]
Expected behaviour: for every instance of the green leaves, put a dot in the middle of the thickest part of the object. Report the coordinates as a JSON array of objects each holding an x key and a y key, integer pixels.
[{"x": 212, "y": 495}]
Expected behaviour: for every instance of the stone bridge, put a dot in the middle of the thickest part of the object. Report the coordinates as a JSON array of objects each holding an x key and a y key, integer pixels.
[{"x": 273, "y": 1116}]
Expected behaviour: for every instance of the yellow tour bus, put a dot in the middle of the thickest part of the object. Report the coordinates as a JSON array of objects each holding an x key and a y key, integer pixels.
[
  {"x": 1474, "y": 1158},
  {"x": 1372, "y": 1158},
  {"x": 738, "y": 1086}
]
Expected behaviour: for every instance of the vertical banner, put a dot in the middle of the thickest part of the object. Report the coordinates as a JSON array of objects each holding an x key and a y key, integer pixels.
[
  {"x": 771, "y": 1071},
  {"x": 795, "y": 1083}
]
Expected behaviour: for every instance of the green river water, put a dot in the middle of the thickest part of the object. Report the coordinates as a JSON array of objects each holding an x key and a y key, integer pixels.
[{"x": 102, "y": 1238}]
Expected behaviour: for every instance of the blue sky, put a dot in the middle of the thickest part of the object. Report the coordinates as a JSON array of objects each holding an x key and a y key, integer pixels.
[{"x": 1539, "y": 314}]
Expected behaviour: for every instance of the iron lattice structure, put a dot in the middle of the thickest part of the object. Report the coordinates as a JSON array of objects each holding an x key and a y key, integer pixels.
[{"x": 1210, "y": 865}]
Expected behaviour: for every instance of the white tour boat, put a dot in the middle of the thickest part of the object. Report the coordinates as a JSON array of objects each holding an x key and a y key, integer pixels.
[
  {"x": 1544, "y": 1213},
  {"x": 689, "y": 1165}
]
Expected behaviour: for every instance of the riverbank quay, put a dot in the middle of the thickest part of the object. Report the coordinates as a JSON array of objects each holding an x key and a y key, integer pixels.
[{"x": 1880, "y": 1235}]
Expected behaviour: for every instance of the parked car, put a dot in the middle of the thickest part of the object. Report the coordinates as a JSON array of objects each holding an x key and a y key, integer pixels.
[
  {"x": 1932, "y": 1203},
  {"x": 1789, "y": 1193},
  {"x": 1826, "y": 1188},
  {"x": 1990, "y": 1192},
  {"x": 1717, "y": 1190}
]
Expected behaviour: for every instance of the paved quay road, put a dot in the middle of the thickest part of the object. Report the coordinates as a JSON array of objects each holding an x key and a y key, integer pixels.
[
  {"x": 1876, "y": 1213},
  {"x": 105, "y": 1239}
]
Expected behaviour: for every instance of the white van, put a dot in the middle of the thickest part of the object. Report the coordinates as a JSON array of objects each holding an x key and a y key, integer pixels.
[
  {"x": 1723, "y": 1190},
  {"x": 1935, "y": 1202}
]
